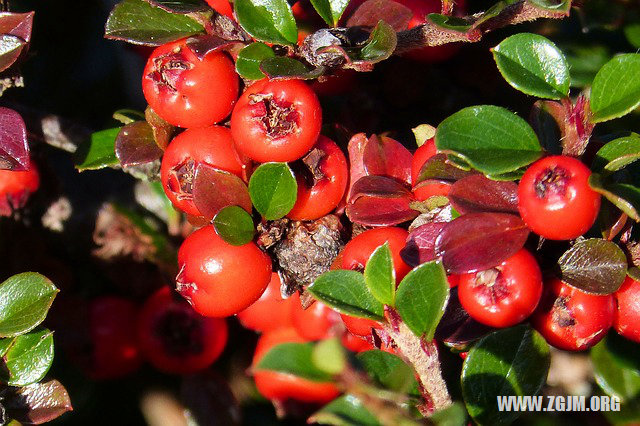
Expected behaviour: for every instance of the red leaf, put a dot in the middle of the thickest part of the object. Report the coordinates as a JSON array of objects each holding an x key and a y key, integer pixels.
[
  {"x": 135, "y": 144},
  {"x": 202, "y": 45},
  {"x": 421, "y": 244},
  {"x": 478, "y": 241},
  {"x": 215, "y": 189},
  {"x": 14, "y": 150},
  {"x": 383, "y": 156},
  {"x": 477, "y": 193},
  {"x": 378, "y": 186},
  {"x": 440, "y": 168},
  {"x": 380, "y": 201},
  {"x": 372, "y": 11},
  {"x": 17, "y": 24},
  {"x": 11, "y": 48},
  {"x": 356, "y": 163},
  {"x": 38, "y": 403}
]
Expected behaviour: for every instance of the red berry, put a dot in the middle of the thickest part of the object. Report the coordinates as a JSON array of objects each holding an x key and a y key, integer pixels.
[
  {"x": 453, "y": 280},
  {"x": 186, "y": 90},
  {"x": 220, "y": 279},
  {"x": 270, "y": 311},
  {"x": 357, "y": 251},
  {"x": 276, "y": 120},
  {"x": 16, "y": 187},
  {"x": 212, "y": 146},
  {"x": 314, "y": 323},
  {"x": 223, "y": 7},
  {"x": 327, "y": 175},
  {"x": 555, "y": 199},
  {"x": 505, "y": 295},
  {"x": 360, "y": 327},
  {"x": 627, "y": 317},
  {"x": 572, "y": 319},
  {"x": 279, "y": 386},
  {"x": 176, "y": 339},
  {"x": 114, "y": 343},
  {"x": 431, "y": 188},
  {"x": 422, "y": 154},
  {"x": 355, "y": 343}
]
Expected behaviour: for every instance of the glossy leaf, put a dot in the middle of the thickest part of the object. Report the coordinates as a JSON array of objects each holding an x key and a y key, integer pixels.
[
  {"x": 273, "y": 189},
  {"x": 616, "y": 89},
  {"x": 234, "y": 225},
  {"x": 215, "y": 189},
  {"x": 490, "y": 138},
  {"x": 25, "y": 300},
  {"x": 163, "y": 132},
  {"x": 449, "y": 22},
  {"x": 286, "y": 68},
  {"x": 554, "y": 5},
  {"x": 346, "y": 292},
  {"x": 421, "y": 244},
  {"x": 624, "y": 196},
  {"x": 476, "y": 193},
  {"x": 14, "y": 149},
  {"x": 37, "y": 403},
  {"x": 15, "y": 35},
  {"x": 267, "y": 20},
  {"x": 512, "y": 361},
  {"x": 534, "y": 65},
  {"x": 371, "y": 12},
  {"x": 135, "y": 145},
  {"x": 249, "y": 58},
  {"x": 11, "y": 48},
  {"x": 440, "y": 167},
  {"x": 594, "y": 265},
  {"x": 453, "y": 415},
  {"x": 423, "y": 133},
  {"x": 293, "y": 358},
  {"x": 330, "y": 10},
  {"x": 632, "y": 32},
  {"x": 380, "y": 201},
  {"x": 28, "y": 357},
  {"x": 613, "y": 376},
  {"x": 180, "y": 6},
  {"x": 456, "y": 328},
  {"x": 381, "y": 44},
  {"x": 478, "y": 241},
  {"x": 618, "y": 153},
  {"x": 346, "y": 410},
  {"x": 383, "y": 156},
  {"x": 99, "y": 151},
  {"x": 389, "y": 371},
  {"x": 380, "y": 276},
  {"x": 138, "y": 22},
  {"x": 421, "y": 298}
]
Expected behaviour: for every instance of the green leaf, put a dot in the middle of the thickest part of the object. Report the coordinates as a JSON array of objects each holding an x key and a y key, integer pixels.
[
  {"x": 585, "y": 62},
  {"x": 28, "y": 357},
  {"x": 330, "y": 10},
  {"x": 99, "y": 151},
  {"x": 267, "y": 20},
  {"x": 346, "y": 410},
  {"x": 453, "y": 415},
  {"x": 329, "y": 356},
  {"x": 624, "y": 196},
  {"x": 615, "y": 378},
  {"x": 616, "y": 89},
  {"x": 449, "y": 22},
  {"x": 491, "y": 139},
  {"x": 380, "y": 276},
  {"x": 273, "y": 190},
  {"x": 534, "y": 65},
  {"x": 421, "y": 298},
  {"x": 618, "y": 153},
  {"x": 423, "y": 133},
  {"x": 512, "y": 361},
  {"x": 346, "y": 292},
  {"x": 234, "y": 225},
  {"x": 632, "y": 32},
  {"x": 25, "y": 300},
  {"x": 381, "y": 44},
  {"x": 293, "y": 358},
  {"x": 555, "y": 5},
  {"x": 249, "y": 58},
  {"x": 137, "y": 22},
  {"x": 181, "y": 6},
  {"x": 389, "y": 371},
  {"x": 285, "y": 67}
]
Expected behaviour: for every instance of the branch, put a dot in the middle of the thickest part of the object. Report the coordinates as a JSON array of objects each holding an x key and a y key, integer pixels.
[{"x": 431, "y": 34}]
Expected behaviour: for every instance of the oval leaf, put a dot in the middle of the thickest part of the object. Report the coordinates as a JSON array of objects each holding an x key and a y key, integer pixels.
[
  {"x": 478, "y": 241},
  {"x": 383, "y": 156},
  {"x": 490, "y": 138},
  {"x": 330, "y": 10},
  {"x": 613, "y": 376},
  {"x": 371, "y": 12},
  {"x": 10, "y": 49},
  {"x": 616, "y": 88},
  {"x": 345, "y": 410},
  {"x": 594, "y": 265},
  {"x": 29, "y": 357},
  {"x": 624, "y": 196},
  {"x": 267, "y": 20},
  {"x": 421, "y": 298},
  {"x": 380, "y": 201},
  {"x": 421, "y": 244},
  {"x": 282, "y": 67},
  {"x": 138, "y": 22},
  {"x": 249, "y": 58},
  {"x": 37, "y": 403},
  {"x": 293, "y": 358},
  {"x": 534, "y": 65},
  {"x": 234, "y": 225},
  {"x": 347, "y": 293},
  {"x": 99, "y": 151},
  {"x": 25, "y": 300},
  {"x": 618, "y": 153},
  {"x": 215, "y": 189},
  {"x": 180, "y": 6},
  {"x": 380, "y": 276},
  {"x": 14, "y": 149},
  {"x": 389, "y": 371},
  {"x": 439, "y": 167},
  {"x": 476, "y": 193},
  {"x": 135, "y": 144},
  {"x": 509, "y": 362},
  {"x": 273, "y": 190},
  {"x": 380, "y": 46}
]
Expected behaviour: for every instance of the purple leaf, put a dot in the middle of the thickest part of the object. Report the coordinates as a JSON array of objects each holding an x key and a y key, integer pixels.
[
  {"x": 380, "y": 201},
  {"x": 378, "y": 186},
  {"x": 215, "y": 189},
  {"x": 17, "y": 24},
  {"x": 478, "y": 241},
  {"x": 202, "y": 45},
  {"x": 10, "y": 50},
  {"x": 383, "y": 156},
  {"x": 421, "y": 244},
  {"x": 38, "y": 403},
  {"x": 372, "y": 11},
  {"x": 440, "y": 168},
  {"x": 14, "y": 150},
  {"x": 457, "y": 328},
  {"x": 477, "y": 193},
  {"x": 136, "y": 145}
]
